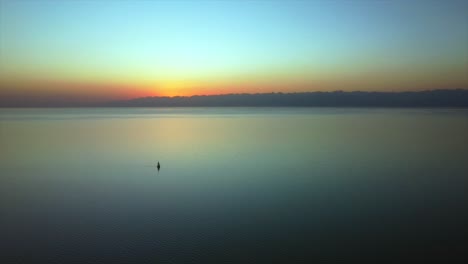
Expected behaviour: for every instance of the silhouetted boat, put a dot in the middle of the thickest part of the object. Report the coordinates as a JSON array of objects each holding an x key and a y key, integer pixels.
[{"x": 159, "y": 166}]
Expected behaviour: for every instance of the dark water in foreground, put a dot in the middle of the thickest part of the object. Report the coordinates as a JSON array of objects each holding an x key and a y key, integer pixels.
[{"x": 237, "y": 185}]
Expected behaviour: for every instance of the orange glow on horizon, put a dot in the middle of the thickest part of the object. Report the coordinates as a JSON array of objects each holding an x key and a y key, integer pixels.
[{"x": 94, "y": 91}]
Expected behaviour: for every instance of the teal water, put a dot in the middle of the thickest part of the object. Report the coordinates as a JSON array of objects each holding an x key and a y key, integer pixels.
[{"x": 236, "y": 185}]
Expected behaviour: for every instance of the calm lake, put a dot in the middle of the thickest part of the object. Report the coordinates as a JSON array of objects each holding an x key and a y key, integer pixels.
[{"x": 236, "y": 185}]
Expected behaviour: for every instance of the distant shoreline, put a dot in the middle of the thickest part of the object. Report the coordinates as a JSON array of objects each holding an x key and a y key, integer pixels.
[{"x": 454, "y": 98}]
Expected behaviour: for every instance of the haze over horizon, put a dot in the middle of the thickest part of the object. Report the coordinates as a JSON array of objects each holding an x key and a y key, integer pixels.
[{"x": 90, "y": 51}]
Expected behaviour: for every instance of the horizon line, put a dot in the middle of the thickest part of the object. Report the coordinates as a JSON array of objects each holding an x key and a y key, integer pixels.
[
  {"x": 427, "y": 98},
  {"x": 304, "y": 92}
]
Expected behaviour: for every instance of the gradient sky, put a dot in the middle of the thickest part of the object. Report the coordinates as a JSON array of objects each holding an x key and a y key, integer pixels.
[{"x": 95, "y": 50}]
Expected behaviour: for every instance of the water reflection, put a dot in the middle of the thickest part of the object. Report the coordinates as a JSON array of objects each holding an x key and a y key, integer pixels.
[{"x": 246, "y": 185}]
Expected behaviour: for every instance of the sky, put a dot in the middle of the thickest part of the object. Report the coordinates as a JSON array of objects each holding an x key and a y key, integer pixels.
[{"x": 106, "y": 50}]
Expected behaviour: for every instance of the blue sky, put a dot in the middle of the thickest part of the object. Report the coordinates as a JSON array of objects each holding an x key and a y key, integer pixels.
[{"x": 203, "y": 46}]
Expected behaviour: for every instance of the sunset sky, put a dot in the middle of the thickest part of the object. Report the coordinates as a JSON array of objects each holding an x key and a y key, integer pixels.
[{"x": 105, "y": 50}]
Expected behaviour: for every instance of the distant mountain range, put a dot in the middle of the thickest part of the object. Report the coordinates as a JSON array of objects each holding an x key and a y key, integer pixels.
[
  {"x": 429, "y": 98},
  {"x": 432, "y": 98}
]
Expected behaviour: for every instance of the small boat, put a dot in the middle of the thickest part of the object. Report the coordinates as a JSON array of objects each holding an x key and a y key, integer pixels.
[{"x": 159, "y": 166}]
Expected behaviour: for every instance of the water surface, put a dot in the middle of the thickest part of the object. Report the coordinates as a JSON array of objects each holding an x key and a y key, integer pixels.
[{"x": 236, "y": 185}]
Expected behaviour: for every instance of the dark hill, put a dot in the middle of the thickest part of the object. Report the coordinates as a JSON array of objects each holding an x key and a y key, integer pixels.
[{"x": 432, "y": 98}]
